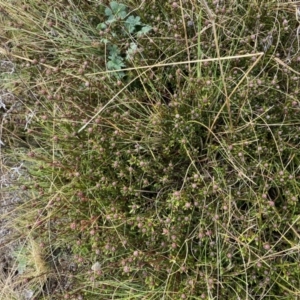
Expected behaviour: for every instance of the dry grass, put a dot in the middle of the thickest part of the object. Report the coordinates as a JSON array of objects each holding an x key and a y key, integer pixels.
[{"x": 176, "y": 175}]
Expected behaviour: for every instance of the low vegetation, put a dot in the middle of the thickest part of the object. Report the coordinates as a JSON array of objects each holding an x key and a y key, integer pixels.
[{"x": 155, "y": 148}]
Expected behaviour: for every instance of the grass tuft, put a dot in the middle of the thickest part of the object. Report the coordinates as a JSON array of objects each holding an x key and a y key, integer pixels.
[{"x": 154, "y": 148}]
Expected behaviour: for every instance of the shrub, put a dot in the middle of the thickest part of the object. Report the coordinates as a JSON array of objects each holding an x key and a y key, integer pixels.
[{"x": 177, "y": 178}]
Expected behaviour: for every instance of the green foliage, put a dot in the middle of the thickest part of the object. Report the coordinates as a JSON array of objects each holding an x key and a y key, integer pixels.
[
  {"x": 144, "y": 30},
  {"x": 131, "y": 51},
  {"x": 116, "y": 61},
  {"x": 168, "y": 191},
  {"x": 21, "y": 260},
  {"x": 130, "y": 25},
  {"x": 115, "y": 11}
]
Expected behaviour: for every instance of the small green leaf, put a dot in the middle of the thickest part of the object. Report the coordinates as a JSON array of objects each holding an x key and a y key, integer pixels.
[
  {"x": 21, "y": 261},
  {"x": 114, "y": 50},
  {"x": 115, "y": 63},
  {"x": 105, "y": 41},
  {"x": 22, "y": 264},
  {"x": 144, "y": 30},
  {"x": 116, "y": 10},
  {"x": 101, "y": 26},
  {"x": 131, "y": 51},
  {"x": 131, "y": 22},
  {"x": 117, "y": 7}
]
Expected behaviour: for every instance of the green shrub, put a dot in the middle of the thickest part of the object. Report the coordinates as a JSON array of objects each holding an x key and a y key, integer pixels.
[{"x": 177, "y": 178}]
